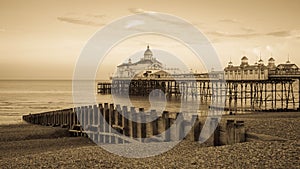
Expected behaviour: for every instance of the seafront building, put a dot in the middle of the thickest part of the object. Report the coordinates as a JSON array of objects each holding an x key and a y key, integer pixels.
[
  {"x": 147, "y": 66},
  {"x": 258, "y": 71}
]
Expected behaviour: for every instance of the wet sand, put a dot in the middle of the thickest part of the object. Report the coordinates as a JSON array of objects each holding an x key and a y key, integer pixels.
[{"x": 32, "y": 146}]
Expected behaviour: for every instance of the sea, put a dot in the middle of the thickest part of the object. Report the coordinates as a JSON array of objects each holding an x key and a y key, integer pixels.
[{"x": 21, "y": 97}]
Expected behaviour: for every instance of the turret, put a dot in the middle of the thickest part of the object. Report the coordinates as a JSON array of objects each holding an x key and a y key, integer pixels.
[
  {"x": 260, "y": 62},
  {"x": 244, "y": 61},
  {"x": 271, "y": 63},
  {"x": 148, "y": 54}
]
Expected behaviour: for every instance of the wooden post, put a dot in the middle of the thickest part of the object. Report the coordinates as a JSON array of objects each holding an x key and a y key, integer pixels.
[
  {"x": 119, "y": 122},
  {"x": 153, "y": 116},
  {"x": 196, "y": 128},
  {"x": 151, "y": 128},
  {"x": 127, "y": 127},
  {"x": 74, "y": 116},
  {"x": 86, "y": 117},
  {"x": 53, "y": 119},
  {"x": 68, "y": 119},
  {"x": 101, "y": 123},
  {"x": 111, "y": 121},
  {"x": 90, "y": 116},
  {"x": 139, "y": 121},
  {"x": 56, "y": 118},
  {"x": 71, "y": 117},
  {"x": 230, "y": 131},
  {"x": 162, "y": 125},
  {"x": 214, "y": 124},
  {"x": 282, "y": 95},
  {"x": 64, "y": 114},
  {"x": 133, "y": 122},
  {"x": 95, "y": 124},
  {"x": 106, "y": 123},
  {"x": 82, "y": 109},
  {"x": 172, "y": 129},
  {"x": 180, "y": 127},
  {"x": 61, "y": 118},
  {"x": 239, "y": 132},
  {"x": 167, "y": 126},
  {"x": 275, "y": 94},
  {"x": 298, "y": 95}
]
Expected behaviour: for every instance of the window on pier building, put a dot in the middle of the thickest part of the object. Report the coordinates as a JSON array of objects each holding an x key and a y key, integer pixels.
[
  {"x": 251, "y": 72},
  {"x": 245, "y": 72}
]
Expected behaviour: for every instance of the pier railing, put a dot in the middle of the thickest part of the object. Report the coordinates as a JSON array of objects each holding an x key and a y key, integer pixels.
[{"x": 106, "y": 123}]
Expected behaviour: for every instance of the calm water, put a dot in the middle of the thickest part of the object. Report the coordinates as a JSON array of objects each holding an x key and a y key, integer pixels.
[{"x": 23, "y": 97}]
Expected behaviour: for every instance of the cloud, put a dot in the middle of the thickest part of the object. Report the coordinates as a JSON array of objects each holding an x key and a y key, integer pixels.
[
  {"x": 252, "y": 34},
  {"x": 233, "y": 35},
  {"x": 247, "y": 29},
  {"x": 229, "y": 20},
  {"x": 285, "y": 33},
  {"x": 79, "y": 21},
  {"x": 279, "y": 33},
  {"x": 96, "y": 15},
  {"x": 83, "y": 19},
  {"x": 2, "y": 30}
]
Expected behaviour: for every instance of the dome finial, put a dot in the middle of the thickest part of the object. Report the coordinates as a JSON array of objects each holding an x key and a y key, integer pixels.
[
  {"x": 148, "y": 54},
  {"x": 288, "y": 61},
  {"x": 260, "y": 55},
  {"x": 230, "y": 62}
]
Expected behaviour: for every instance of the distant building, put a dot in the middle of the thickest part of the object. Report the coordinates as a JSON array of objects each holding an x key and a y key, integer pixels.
[
  {"x": 258, "y": 71},
  {"x": 147, "y": 66},
  {"x": 150, "y": 67},
  {"x": 246, "y": 71},
  {"x": 287, "y": 68},
  {"x": 147, "y": 63}
]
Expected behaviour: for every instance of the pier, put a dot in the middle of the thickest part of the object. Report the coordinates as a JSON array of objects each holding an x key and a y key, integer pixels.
[
  {"x": 279, "y": 93},
  {"x": 244, "y": 87}
]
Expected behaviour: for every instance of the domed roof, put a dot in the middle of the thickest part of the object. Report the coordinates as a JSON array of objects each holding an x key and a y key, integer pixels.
[
  {"x": 260, "y": 62},
  {"x": 271, "y": 59},
  {"x": 244, "y": 58},
  {"x": 148, "y": 51}
]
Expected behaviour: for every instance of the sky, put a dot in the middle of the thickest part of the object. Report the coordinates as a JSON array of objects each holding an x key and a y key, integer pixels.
[{"x": 43, "y": 39}]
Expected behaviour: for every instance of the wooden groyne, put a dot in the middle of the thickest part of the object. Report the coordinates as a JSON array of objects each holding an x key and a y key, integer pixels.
[{"x": 106, "y": 123}]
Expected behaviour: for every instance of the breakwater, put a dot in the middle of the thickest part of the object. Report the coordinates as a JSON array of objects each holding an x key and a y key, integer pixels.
[{"x": 107, "y": 123}]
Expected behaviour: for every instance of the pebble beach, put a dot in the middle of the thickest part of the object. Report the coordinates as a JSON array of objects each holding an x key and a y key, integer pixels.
[{"x": 32, "y": 146}]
